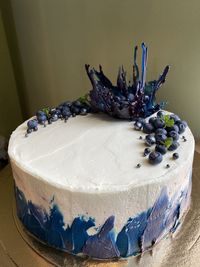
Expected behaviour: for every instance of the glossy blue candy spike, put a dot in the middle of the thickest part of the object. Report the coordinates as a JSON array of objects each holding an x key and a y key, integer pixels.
[
  {"x": 155, "y": 223},
  {"x": 102, "y": 245},
  {"x": 135, "y": 55},
  {"x": 135, "y": 69},
  {"x": 144, "y": 66},
  {"x": 115, "y": 100},
  {"x": 128, "y": 240},
  {"x": 162, "y": 77}
]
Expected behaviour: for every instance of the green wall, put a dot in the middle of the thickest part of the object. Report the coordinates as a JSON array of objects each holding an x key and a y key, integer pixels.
[
  {"x": 10, "y": 111},
  {"x": 56, "y": 38}
]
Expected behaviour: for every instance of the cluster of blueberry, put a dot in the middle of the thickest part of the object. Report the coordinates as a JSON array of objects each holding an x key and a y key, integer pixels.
[
  {"x": 163, "y": 131},
  {"x": 64, "y": 111}
]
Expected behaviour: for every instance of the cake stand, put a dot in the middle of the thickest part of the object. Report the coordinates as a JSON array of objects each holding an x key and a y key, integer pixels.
[{"x": 18, "y": 249}]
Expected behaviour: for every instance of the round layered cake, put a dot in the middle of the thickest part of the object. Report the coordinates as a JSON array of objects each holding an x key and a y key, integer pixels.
[{"x": 86, "y": 187}]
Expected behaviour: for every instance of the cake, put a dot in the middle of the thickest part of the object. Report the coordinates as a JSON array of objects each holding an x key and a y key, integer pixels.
[{"x": 101, "y": 186}]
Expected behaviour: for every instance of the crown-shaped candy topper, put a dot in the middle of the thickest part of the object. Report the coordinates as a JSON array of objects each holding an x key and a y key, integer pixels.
[{"x": 126, "y": 101}]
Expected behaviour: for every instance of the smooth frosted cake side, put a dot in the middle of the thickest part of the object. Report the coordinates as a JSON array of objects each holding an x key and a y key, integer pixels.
[{"x": 78, "y": 187}]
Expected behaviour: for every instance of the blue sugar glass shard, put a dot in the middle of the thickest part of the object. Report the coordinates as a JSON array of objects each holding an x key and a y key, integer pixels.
[{"x": 115, "y": 100}]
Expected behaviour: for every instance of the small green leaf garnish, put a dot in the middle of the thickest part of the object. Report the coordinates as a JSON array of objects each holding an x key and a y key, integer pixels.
[
  {"x": 168, "y": 142},
  {"x": 46, "y": 111},
  {"x": 168, "y": 121},
  {"x": 84, "y": 99}
]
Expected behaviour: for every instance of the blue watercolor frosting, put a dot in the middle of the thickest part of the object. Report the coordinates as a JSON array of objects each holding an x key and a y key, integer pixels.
[
  {"x": 155, "y": 225},
  {"x": 128, "y": 240},
  {"x": 138, "y": 234},
  {"x": 102, "y": 245}
]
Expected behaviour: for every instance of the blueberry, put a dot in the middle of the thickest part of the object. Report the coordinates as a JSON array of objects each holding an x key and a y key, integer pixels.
[
  {"x": 141, "y": 120},
  {"x": 40, "y": 113},
  {"x": 175, "y": 156},
  {"x": 160, "y": 113},
  {"x": 150, "y": 140},
  {"x": 77, "y": 103},
  {"x": 66, "y": 113},
  {"x": 167, "y": 166},
  {"x": 174, "y": 135},
  {"x": 117, "y": 98},
  {"x": 148, "y": 128},
  {"x": 146, "y": 98},
  {"x": 161, "y": 148},
  {"x": 131, "y": 97},
  {"x": 137, "y": 125},
  {"x": 185, "y": 124},
  {"x": 35, "y": 129},
  {"x": 52, "y": 111},
  {"x": 75, "y": 109},
  {"x": 58, "y": 112},
  {"x": 138, "y": 165},
  {"x": 161, "y": 131},
  {"x": 158, "y": 123},
  {"x": 155, "y": 158},
  {"x": 146, "y": 151},
  {"x": 160, "y": 138},
  {"x": 152, "y": 119},
  {"x": 181, "y": 127},
  {"x": 173, "y": 128},
  {"x": 60, "y": 108},
  {"x": 32, "y": 124},
  {"x": 66, "y": 109},
  {"x": 29, "y": 131},
  {"x": 54, "y": 117},
  {"x": 66, "y": 104},
  {"x": 83, "y": 111},
  {"x": 42, "y": 119},
  {"x": 173, "y": 146},
  {"x": 174, "y": 117}
]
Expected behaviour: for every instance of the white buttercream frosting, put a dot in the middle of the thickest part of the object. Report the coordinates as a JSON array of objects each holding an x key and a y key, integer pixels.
[{"x": 90, "y": 153}]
